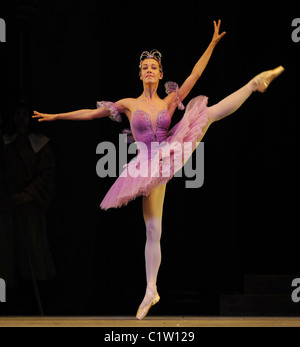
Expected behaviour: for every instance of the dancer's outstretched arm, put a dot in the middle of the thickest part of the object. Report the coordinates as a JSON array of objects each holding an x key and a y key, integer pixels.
[
  {"x": 81, "y": 115},
  {"x": 76, "y": 116},
  {"x": 202, "y": 63}
]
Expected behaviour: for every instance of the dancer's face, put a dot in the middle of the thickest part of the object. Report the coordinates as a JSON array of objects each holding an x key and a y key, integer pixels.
[{"x": 150, "y": 71}]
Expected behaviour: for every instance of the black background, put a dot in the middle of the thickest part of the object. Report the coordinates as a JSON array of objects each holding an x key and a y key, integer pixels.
[{"x": 66, "y": 55}]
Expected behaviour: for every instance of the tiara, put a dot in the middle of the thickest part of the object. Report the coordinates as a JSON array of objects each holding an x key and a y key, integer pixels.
[{"x": 154, "y": 54}]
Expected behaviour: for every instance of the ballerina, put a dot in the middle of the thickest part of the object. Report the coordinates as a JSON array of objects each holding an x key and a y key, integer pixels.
[{"x": 150, "y": 119}]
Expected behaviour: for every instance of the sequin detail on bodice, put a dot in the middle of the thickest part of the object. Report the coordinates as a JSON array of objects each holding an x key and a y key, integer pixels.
[{"x": 145, "y": 132}]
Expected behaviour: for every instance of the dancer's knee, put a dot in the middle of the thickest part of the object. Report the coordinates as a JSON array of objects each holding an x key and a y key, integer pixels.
[{"x": 154, "y": 229}]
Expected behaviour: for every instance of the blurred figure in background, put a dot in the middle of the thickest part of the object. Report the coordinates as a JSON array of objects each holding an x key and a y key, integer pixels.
[
  {"x": 30, "y": 166},
  {"x": 7, "y": 263}
]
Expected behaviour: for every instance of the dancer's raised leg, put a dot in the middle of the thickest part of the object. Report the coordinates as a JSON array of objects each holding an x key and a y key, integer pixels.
[
  {"x": 233, "y": 102},
  {"x": 153, "y": 211}
]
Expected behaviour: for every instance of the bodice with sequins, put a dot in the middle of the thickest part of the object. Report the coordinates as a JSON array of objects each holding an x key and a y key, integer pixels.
[{"x": 144, "y": 131}]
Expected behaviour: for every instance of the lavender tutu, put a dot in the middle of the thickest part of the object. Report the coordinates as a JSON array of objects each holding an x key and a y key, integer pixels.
[{"x": 161, "y": 153}]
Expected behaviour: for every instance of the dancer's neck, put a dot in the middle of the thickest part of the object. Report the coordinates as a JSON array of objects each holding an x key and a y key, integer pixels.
[{"x": 150, "y": 92}]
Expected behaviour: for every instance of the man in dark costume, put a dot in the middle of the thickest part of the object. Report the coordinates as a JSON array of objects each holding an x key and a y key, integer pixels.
[{"x": 27, "y": 189}]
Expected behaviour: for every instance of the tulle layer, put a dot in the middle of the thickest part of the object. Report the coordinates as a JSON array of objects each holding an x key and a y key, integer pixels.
[{"x": 141, "y": 176}]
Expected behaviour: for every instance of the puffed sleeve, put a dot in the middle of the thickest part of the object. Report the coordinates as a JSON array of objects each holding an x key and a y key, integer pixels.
[
  {"x": 114, "y": 112},
  {"x": 172, "y": 87}
]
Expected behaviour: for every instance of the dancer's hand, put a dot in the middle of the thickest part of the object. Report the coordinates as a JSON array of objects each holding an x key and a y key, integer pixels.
[
  {"x": 217, "y": 37},
  {"x": 44, "y": 117}
]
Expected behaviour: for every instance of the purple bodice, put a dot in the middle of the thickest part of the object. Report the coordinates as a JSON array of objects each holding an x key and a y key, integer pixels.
[{"x": 145, "y": 132}]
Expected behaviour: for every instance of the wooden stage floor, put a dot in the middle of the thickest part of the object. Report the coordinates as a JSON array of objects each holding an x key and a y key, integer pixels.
[{"x": 153, "y": 322}]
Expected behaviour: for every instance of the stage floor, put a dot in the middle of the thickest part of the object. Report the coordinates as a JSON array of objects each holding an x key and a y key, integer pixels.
[{"x": 152, "y": 322}]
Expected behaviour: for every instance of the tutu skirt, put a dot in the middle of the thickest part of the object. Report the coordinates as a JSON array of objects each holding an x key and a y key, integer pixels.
[{"x": 143, "y": 175}]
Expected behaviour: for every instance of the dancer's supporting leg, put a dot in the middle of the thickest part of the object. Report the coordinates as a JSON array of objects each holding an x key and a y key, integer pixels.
[
  {"x": 153, "y": 211},
  {"x": 233, "y": 102}
]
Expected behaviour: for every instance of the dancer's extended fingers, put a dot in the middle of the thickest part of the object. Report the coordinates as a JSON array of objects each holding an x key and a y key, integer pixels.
[
  {"x": 41, "y": 117},
  {"x": 217, "y": 26},
  {"x": 36, "y": 114},
  {"x": 222, "y": 35}
]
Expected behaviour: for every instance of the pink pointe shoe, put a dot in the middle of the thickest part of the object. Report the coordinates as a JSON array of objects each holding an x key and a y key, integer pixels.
[
  {"x": 143, "y": 311},
  {"x": 264, "y": 80}
]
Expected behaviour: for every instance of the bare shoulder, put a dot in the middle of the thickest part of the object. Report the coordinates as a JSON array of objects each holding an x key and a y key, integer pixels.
[{"x": 125, "y": 104}]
